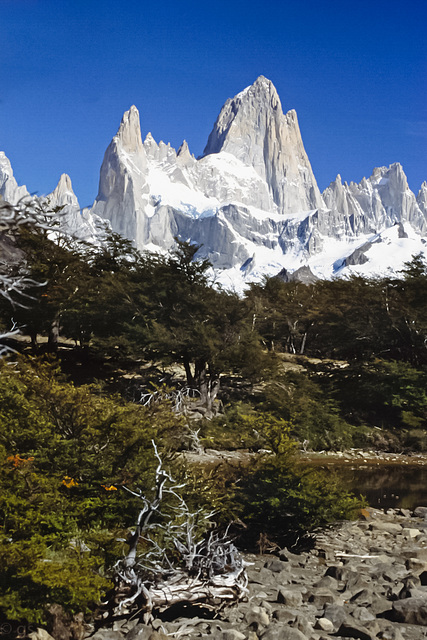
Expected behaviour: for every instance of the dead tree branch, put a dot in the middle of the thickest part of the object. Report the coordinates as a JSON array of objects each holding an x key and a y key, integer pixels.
[{"x": 186, "y": 560}]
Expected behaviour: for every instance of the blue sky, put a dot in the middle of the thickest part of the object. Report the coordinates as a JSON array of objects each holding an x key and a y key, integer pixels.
[{"x": 356, "y": 73}]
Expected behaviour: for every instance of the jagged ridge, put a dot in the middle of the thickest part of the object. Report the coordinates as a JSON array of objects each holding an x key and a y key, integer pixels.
[{"x": 251, "y": 200}]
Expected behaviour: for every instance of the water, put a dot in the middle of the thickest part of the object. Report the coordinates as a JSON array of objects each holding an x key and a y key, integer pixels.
[{"x": 387, "y": 486}]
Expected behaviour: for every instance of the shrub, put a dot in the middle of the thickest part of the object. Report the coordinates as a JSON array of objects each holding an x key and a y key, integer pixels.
[
  {"x": 65, "y": 452},
  {"x": 282, "y": 499}
]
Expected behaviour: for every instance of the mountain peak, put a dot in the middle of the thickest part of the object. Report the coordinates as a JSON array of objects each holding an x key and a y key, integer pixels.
[
  {"x": 244, "y": 110},
  {"x": 9, "y": 189},
  {"x": 252, "y": 127},
  {"x": 129, "y": 133},
  {"x": 63, "y": 193}
]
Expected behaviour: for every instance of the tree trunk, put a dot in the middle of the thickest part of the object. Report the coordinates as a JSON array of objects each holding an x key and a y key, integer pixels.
[
  {"x": 53, "y": 337},
  {"x": 304, "y": 340},
  {"x": 188, "y": 374},
  {"x": 208, "y": 385}
]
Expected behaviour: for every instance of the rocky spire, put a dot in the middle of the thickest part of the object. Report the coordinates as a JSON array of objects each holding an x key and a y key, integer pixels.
[
  {"x": 63, "y": 193},
  {"x": 9, "y": 189},
  {"x": 422, "y": 198},
  {"x": 122, "y": 192},
  {"x": 129, "y": 133},
  {"x": 253, "y": 127}
]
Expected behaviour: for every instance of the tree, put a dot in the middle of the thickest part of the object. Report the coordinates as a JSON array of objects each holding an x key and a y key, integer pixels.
[{"x": 15, "y": 284}]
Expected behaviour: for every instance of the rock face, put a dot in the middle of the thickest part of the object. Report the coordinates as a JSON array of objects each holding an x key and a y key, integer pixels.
[
  {"x": 253, "y": 128},
  {"x": 251, "y": 200},
  {"x": 9, "y": 189}
]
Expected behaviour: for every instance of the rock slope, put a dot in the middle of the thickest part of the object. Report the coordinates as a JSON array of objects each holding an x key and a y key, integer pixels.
[{"x": 365, "y": 579}]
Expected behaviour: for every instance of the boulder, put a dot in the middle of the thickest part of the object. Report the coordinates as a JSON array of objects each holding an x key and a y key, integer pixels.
[
  {"x": 363, "y": 615},
  {"x": 324, "y": 624},
  {"x": 420, "y": 512},
  {"x": 321, "y": 596},
  {"x": 336, "y": 613},
  {"x": 283, "y": 632},
  {"x": 386, "y": 527},
  {"x": 230, "y": 634},
  {"x": 139, "y": 632},
  {"x": 354, "y": 630},
  {"x": 257, "y": 617},
  {"x": 290, "y": 598},
  {"x": 363, "y": 597},
  {"x": 410, "y": 611},
  {"x": 110, "y": 634}
]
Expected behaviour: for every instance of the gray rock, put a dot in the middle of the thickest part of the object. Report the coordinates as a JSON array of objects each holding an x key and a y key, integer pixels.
[
  {"x": 380, "y": 605},
  {"x": 329, "y": 582},
  {"x": 158, "y": 635},
  {"x": 290, "y": 598},
  {"x": 420, "y": 512},
  {"x": 321, "y": 596},
  {"x": 336, "y": 614},
  {"x": 109, "y": 634},
  {"x": 40, "y": 634},
  {"x": 413, "y": 592},
  {"x": 139, "y": 632},
  {"x": 275, "y": 565},
  {"x": 415, "y": 564},
  {"x": 363, "y": 597},
  {"x": 288, "y": 556},
  {"x": 302, "y": 623},
  {"x": 284, "y": 615},
  {"x": 411, "y": 532},
  {"x": 324, "y": 624},
  {"x": 257, "y": 617},
  {"x": 387, "y": 527},
  {"x": 411, "y": 611},
  {"x": 392, "y": 633},
  {"x": 354, "y": 630},
  {"x": 230, "y": 634},
  {"x": 283, "y": 632},
  {"x": 262, "y": 577},
  {"x": 414, "y": 551},
  {"x": 363, "y": 615}
]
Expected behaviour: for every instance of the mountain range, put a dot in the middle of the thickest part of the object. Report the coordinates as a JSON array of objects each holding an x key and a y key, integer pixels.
[{"x": 251, "y": 201}]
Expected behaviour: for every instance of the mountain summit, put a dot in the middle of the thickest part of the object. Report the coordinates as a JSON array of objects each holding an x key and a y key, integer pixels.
[
  {"x": 251, "y": 201},
  {"x": 252, "y": 127}
]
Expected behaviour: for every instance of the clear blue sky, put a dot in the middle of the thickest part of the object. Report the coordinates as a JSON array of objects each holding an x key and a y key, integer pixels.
[{"x": 356, "y": 72}]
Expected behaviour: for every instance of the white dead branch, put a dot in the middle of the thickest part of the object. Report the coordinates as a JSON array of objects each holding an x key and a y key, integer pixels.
[
  {"x": 177, "y": 397},
  {"x": 191, "y": 564}
]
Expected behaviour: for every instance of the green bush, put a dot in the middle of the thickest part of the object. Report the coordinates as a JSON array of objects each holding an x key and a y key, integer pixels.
[
  {"x": 282, "y": 499},
  {"x": 65, "y": 453}
]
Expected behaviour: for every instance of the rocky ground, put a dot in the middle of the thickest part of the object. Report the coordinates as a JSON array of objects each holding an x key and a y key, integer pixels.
[{"x": 365, "y": 579}]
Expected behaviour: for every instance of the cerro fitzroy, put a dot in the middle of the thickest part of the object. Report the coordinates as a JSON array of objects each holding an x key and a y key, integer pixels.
[{"x": 252, "y": 201}]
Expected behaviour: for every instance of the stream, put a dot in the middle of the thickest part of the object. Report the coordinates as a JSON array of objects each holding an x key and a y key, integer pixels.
[{"x": 386, "y": 486}]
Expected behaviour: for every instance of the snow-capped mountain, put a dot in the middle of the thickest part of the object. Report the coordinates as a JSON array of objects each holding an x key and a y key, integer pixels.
[
  {"x": 79, "y": 223},
  {"x": 251, "y": 200}
]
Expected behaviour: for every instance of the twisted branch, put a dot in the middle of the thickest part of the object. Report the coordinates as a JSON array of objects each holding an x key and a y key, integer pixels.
[{"x": 194, "y": 565}]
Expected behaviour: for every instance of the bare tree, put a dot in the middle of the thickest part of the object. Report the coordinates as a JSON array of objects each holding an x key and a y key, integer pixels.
[
  {"x": 194, "y": 563},
  {"x": 14, "y": 283}
]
